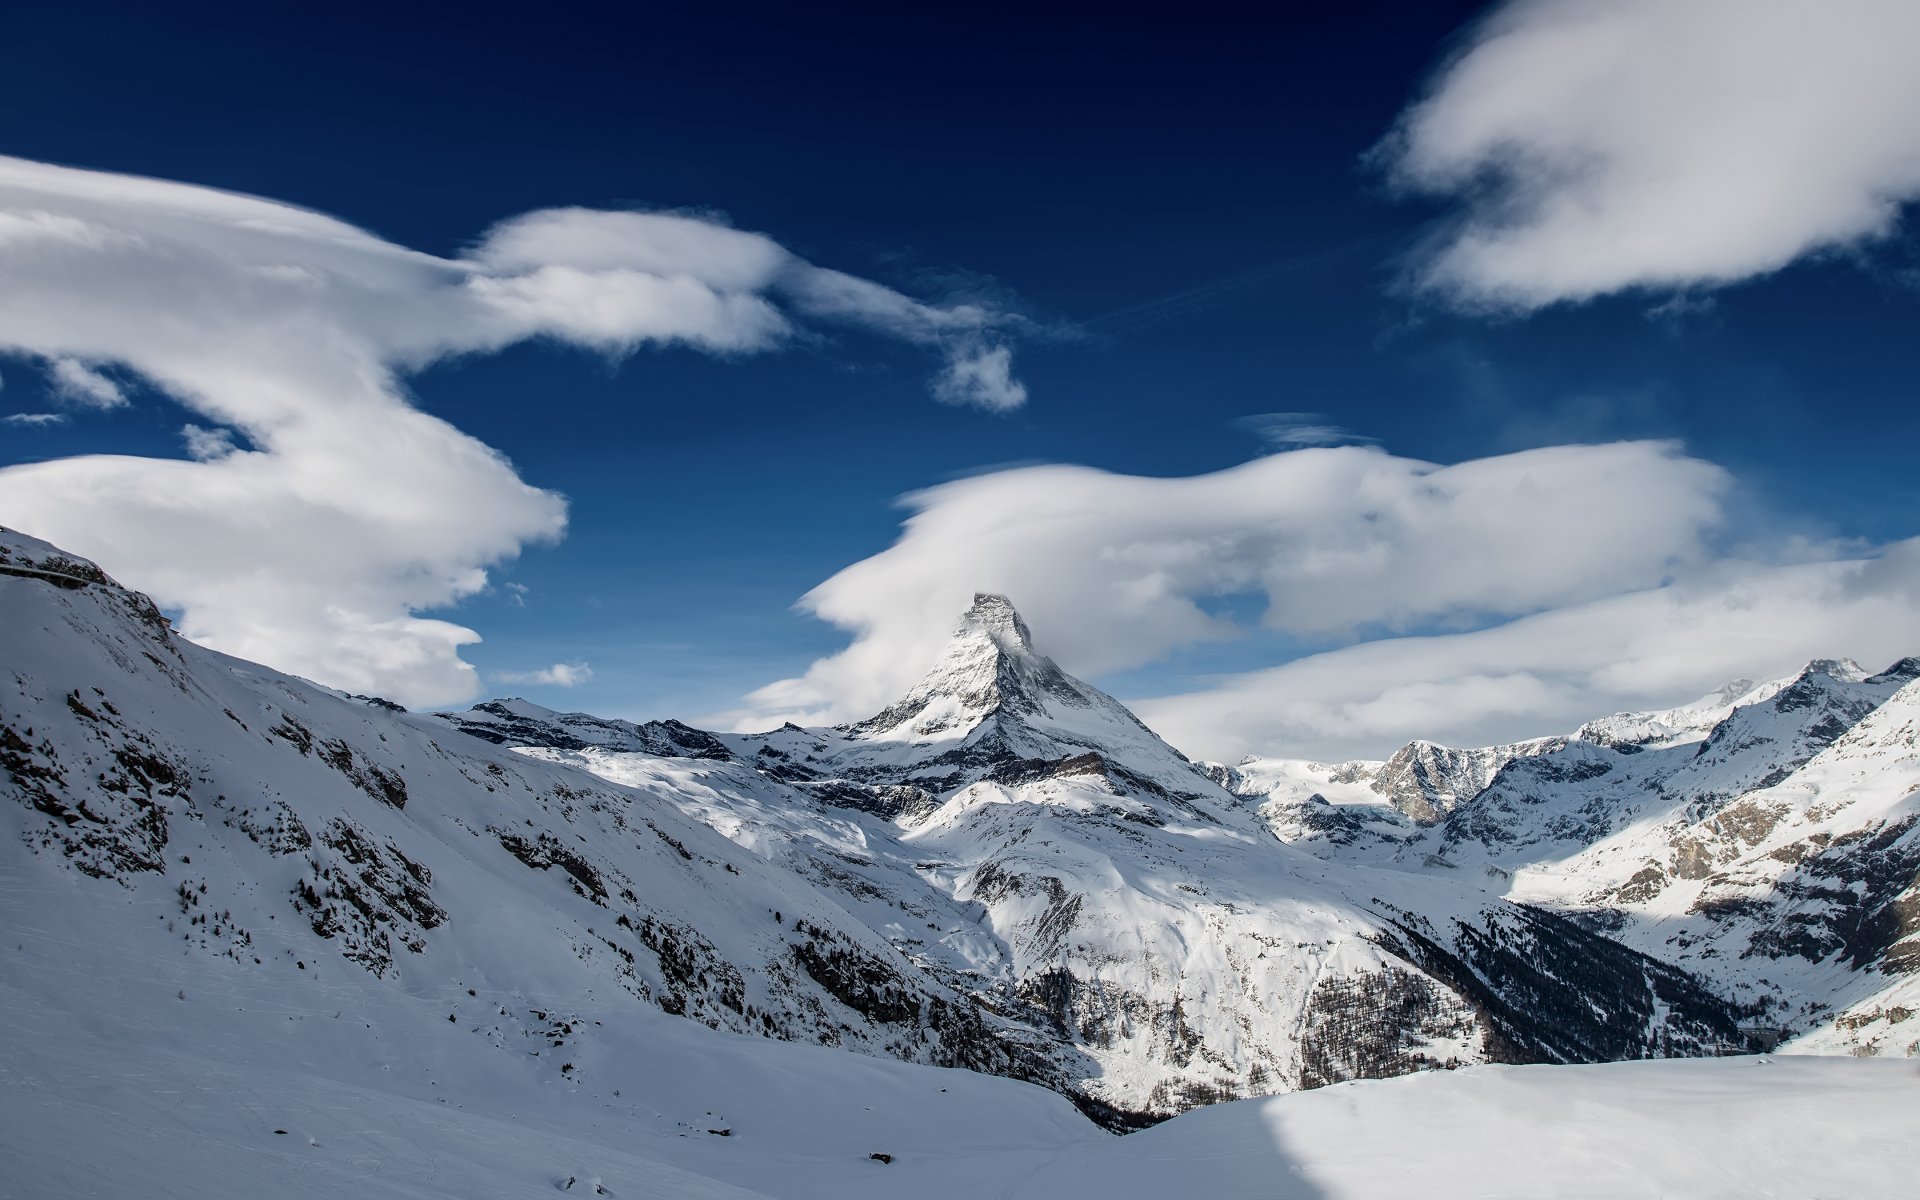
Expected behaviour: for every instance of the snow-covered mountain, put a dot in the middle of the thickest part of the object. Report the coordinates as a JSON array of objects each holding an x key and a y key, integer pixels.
[
  {"x": 1027, "y": 841},
  {"x": 1003, "y": 871},
  {"x": 1765, "y": 837},
  {"x": 283, "y": 829},
  {"x": 555, "y": 947}
]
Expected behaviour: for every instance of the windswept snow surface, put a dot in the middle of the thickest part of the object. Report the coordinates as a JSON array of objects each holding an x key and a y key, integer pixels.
[
  {"x": 113, "y": 1085},
  {"x": 1709, "y": 1129},
  {"x": 130, "y": 1069}
]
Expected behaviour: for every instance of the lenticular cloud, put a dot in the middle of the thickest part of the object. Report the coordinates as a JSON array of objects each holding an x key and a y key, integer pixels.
[
  {"x": 321, "y": 511},
  {"x": 1120, "y": 569},
  {"x": 1662, "y": 144}
]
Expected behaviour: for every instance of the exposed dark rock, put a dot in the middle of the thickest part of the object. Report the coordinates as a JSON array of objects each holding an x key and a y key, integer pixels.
[
  {"x": 1548, "y": 990},
  {"x": 545, "y": 850},
  {"x": 1377, "y": 1025},
  {"x": 367, "y": 896}
]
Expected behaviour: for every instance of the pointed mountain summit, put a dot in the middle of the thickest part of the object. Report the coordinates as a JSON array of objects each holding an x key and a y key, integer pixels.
[
  {"x": 993, "y": 707},
  {"x": 989, "y": 666}
]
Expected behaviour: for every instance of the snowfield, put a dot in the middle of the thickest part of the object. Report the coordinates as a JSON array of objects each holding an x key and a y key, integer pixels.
[
  {"x": 113, "y": 1086},
  {"x": 1709, "y": 1129},
  {"x": 258, "y": 938}
]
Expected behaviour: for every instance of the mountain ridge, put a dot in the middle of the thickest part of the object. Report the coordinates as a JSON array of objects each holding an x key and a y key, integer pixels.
[{"x": 1041, "y": 888}]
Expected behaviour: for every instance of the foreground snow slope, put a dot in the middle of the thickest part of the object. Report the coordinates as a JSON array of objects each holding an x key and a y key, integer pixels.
[
  {"x": 136, "y": 1068},
  {"x": 1714, "y": 1129},
  {"x": 291, "y": 834},
  {"x": 129, "y": 1069}
]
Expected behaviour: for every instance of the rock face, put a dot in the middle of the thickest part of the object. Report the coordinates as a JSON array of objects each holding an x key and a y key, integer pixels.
[
  {"x": 988, "y": 666},
  {"x": 1003, "y": 871},
  {"x": 1426, "y": 781}
]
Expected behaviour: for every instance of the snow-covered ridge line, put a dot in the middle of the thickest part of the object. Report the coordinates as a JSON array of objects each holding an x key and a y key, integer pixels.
[
  {"x": 1120, "y": 901},
  {"x": 1763, "y": 836},
  {"x": 1011, "y": 874},
  {"x": 367, "y": 953},
  {"x": 1039, "y": 887}
]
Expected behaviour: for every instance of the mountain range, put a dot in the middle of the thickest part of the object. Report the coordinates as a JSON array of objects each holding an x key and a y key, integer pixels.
[{"x": 1003, "y": 871}]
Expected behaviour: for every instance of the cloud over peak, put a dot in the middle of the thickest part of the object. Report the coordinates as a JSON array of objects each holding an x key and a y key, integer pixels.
[
  {"x": 1474, "y": 603},
  {"x": 1113, "y": 571}
]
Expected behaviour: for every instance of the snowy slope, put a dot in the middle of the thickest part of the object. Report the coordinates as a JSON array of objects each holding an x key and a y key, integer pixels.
[
  {"x": 129, "y": 1090},
  {"x": 136, "y": 1067},
  {"x": 448, "y": 961},
  {"x": 1802, "y": 893},
  {"x": 1762, "y": 837},
  {"x": 1722, "y": 1129},
  {"x": 1683, "y": 723},
  {"x": 1024, "y": 839},
  {"x": 278, "y": 827}
]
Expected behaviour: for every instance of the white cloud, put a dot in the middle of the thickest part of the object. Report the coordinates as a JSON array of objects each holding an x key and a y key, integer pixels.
[
  {"x": 205, "y": 445},
  {"x": 564, "y": 675},
  {"x": 1589, "y": 573},
  {"x": 1113, "y": 571},
  {"x": 1547, "y": 673},
  {"x": 1662, "y": 144},
  {"x": 351, "y": 510},
  {"x": 979, "y": 364},
  {"x": 82, "y": 386},
  {"x": 33, "y": 420},
  {"x": 1297, "y": 430},
  {"x": 982, "y": 376}
]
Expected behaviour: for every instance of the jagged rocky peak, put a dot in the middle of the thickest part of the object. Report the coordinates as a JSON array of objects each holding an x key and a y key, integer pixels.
[
  {"x": 1426, "y": 781},
  {"x": 1843, "y": 669},
  {"x": 996, "y": 617},
  {"x": 989, "y": 665},
  {"x": 1905, "y": 671}
]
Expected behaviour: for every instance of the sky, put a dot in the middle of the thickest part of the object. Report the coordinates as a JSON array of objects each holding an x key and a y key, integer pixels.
[{"x": 1311, "y": 381}]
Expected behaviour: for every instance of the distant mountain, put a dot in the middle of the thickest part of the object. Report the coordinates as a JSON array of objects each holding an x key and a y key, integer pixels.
[{"x": 1765, "y": 837}]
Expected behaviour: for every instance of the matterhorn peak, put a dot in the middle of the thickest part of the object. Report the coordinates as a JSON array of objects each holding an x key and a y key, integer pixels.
[
  {"x": 990, "y": 701},
  {"x": 989, "y": 664},
  {"x": 995, "y": 616}
]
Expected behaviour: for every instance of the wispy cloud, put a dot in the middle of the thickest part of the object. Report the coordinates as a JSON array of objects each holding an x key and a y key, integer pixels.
[
  {"x": 290, "y": 332},
  {"x": 1546, "y": 673},
  {"x": 83, "y": 386},
  {"x": 1298, "y": 430},
  {"x": 35, "y": 420},
  {"x": 206, "y": 445},
  {"x": 1671, "y": 145},
  {"x": 981, "y": 375},
  {"x": 564, "y": 675}
]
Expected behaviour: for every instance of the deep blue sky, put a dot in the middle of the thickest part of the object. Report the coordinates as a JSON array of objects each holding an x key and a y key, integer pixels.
[{"x": 1080, "y": 167}]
